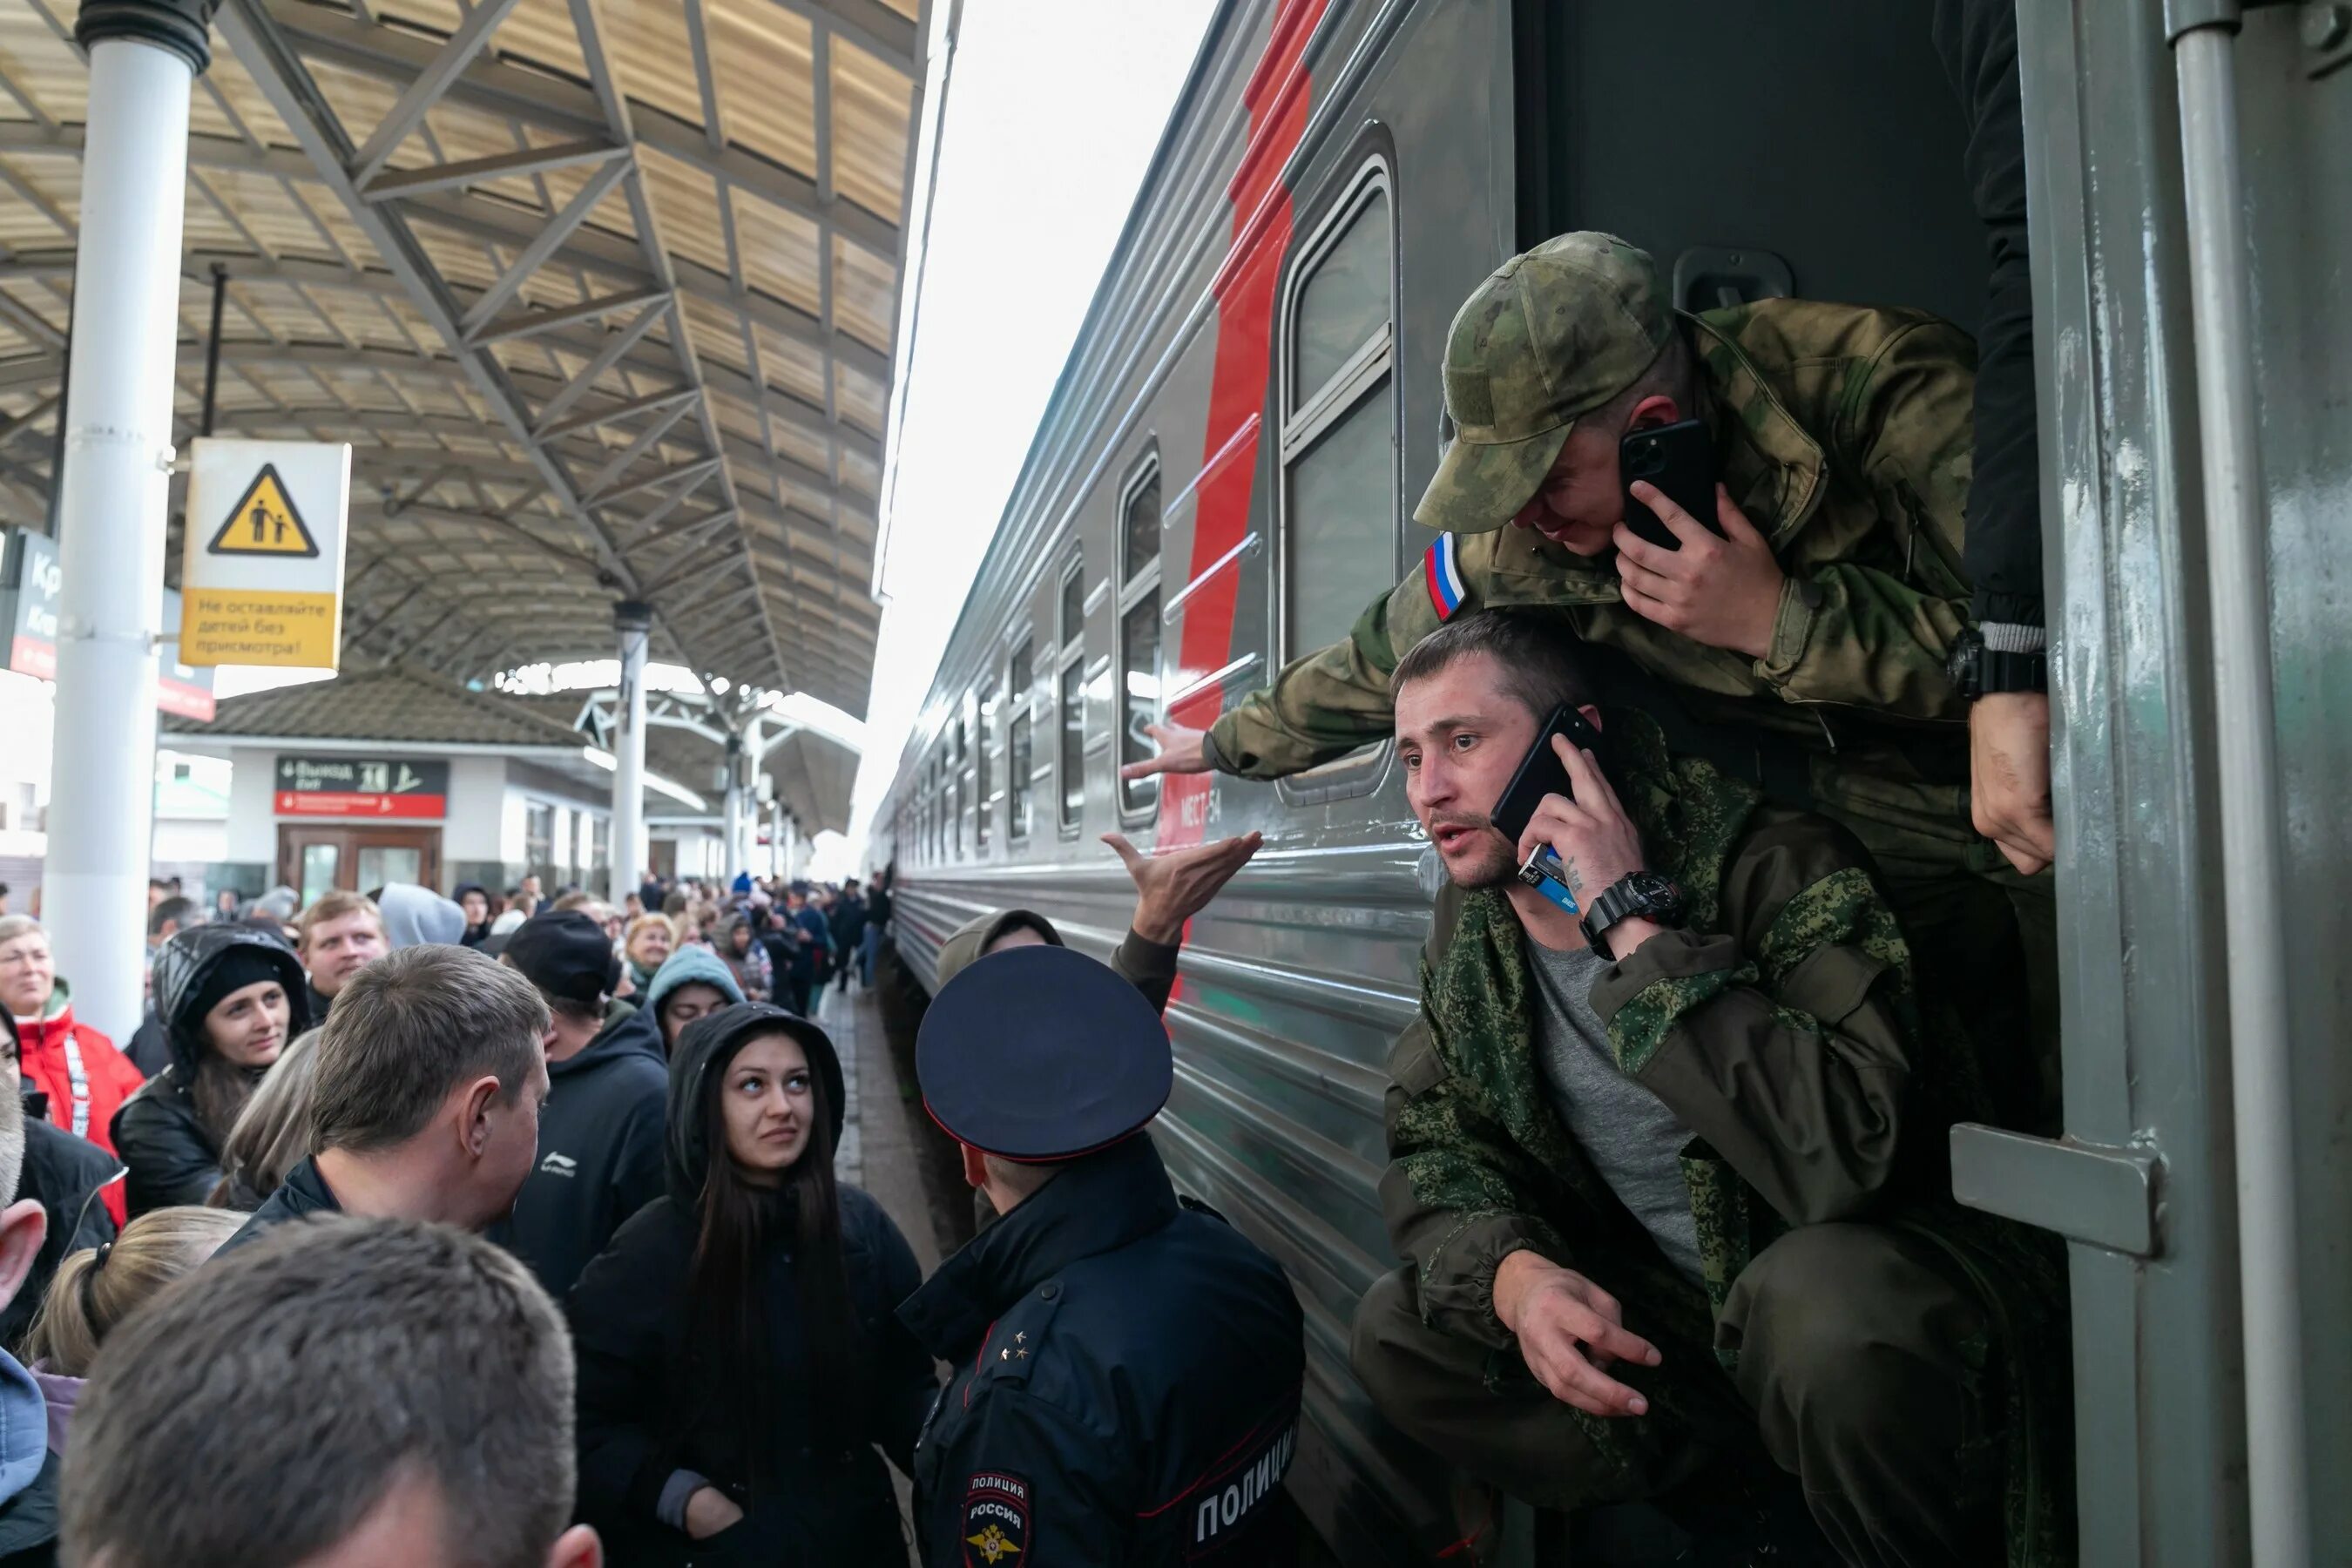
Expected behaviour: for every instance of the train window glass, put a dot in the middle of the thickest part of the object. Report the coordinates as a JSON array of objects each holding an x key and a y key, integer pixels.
[
  {"x": 982, "y": 806},
  {"x": 1021, "y": 679},
  {"x": 1339, "y": 487},
  {"x": 1140, "y": 527},
  {"x": 1074, "y": 742},
  {"x": 1344, "y": 304},
  {"x": 955, "y": 815},
  {"x": 1339, "y": 521},
  {"x": 1139, "y": 632},
  {"x": 1073, "y": 602}
]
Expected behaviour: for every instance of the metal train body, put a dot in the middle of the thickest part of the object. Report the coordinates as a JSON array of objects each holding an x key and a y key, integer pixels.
[{"x": 1224, "y": 476}]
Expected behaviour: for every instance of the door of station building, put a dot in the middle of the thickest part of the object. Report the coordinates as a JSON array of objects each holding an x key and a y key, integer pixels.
[{"x": 314, "y": 860}]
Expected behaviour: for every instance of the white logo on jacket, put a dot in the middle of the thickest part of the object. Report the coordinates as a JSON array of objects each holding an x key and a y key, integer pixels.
[{"x": 558, "y": 1165}]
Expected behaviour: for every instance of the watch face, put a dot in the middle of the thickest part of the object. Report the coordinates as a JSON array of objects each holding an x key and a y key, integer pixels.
[{"x": 1658, "y": 895}]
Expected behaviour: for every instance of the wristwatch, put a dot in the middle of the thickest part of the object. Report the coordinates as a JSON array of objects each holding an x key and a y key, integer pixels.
[
  {"x": 1979, "y": 669},
  {"x": 1642, "y": 893}
]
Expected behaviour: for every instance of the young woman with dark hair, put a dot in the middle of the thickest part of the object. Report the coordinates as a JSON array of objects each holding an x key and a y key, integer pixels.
[
  {"x": 230, "y": 997},
  {"x": 740, "y": 1354}
]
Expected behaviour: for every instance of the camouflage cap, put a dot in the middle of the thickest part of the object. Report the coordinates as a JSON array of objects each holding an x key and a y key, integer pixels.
[{"x": 1553, "y": 333}]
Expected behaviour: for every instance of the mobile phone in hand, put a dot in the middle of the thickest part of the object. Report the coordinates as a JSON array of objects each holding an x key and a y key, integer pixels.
[
  {"x": 1540, "y": 773},
  {"x": 1680, "y": 460}
]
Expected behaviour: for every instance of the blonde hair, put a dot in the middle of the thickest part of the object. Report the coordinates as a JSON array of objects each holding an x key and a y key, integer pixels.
[
  {"x": 272, "y": 1134},
  {"x": 641, "y": 922},
  {"x": 334, "y": 906},
  {"x": 95, "y": 1290}
]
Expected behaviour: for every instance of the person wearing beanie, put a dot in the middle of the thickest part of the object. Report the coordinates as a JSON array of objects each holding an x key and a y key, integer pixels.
[
  {"x": 600, "y": 1136},
  {"x": 691, "y": 983},
  {"x": 229, "y": 998},
  {"x": 474, "y": 902}
]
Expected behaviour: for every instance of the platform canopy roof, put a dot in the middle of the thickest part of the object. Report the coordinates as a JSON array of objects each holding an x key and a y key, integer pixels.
[{"x": 602, "y": 292}]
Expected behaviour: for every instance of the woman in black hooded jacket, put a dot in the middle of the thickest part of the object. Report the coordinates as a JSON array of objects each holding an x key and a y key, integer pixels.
[
  {"x": 229, "y": 998},
  {"x": 740, "y": 1353}
]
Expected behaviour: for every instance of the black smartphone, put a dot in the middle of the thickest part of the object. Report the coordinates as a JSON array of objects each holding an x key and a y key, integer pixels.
[
  {"x": 1680, "y": 460},
  {"x": 1541, "y": 773}
]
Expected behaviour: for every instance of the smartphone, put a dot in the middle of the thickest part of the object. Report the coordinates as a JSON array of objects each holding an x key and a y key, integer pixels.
[
  {"x": 1541, "y": 773},
  {"x": 1680, "y": 460}
]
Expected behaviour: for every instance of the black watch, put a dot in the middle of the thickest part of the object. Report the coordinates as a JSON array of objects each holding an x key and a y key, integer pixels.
[
  {"x": 1979, "y": 669},
  {"x": 1642, "y": 893}
]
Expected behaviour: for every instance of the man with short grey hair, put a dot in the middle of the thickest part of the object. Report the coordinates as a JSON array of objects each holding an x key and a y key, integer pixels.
[
  {"x": 431, "y": 1074},
  {"x": 362, "y": 1392}
]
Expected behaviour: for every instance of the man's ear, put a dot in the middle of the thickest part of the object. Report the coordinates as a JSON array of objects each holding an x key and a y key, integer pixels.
[
  {"x": 23, "y": 1226},
  {"x": 975, "y": 1166},
  {"x": 474, "y": 1122},
  {"x": 1591, "y": 712},
  {"x": 1653, "y": 410},
  {"x": 576, "y": 1548}
]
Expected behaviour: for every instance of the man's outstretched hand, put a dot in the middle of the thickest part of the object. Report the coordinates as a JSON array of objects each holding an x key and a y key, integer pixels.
[
  {"x": 1171, "y": 889},
  {"x": 1181, "y": 751},
  {"x": 1568, "y": 1329}
]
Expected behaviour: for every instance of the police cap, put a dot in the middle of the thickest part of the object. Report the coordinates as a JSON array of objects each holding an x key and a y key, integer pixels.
[{"x": 1042, "y": 1054}]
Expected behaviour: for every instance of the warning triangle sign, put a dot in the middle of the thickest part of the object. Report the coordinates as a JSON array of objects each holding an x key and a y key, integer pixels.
[{"x": 264, "y": 523}]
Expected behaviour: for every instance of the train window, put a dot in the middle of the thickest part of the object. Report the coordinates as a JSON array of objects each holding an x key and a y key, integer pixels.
[
  {"x": 955, "y": 815},
  {"x": 1073, "y": 742},
  {"x": 982, "y": 806},
  {"x": 1139, "y": 632},
  {"x": 1338, "y": 432},
  {"x": 1018, "y": 742},
  {"x": 1074, "y": 601}
]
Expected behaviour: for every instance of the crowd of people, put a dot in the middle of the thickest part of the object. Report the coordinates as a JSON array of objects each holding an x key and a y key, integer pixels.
[{"x": 580, "y": 1163}]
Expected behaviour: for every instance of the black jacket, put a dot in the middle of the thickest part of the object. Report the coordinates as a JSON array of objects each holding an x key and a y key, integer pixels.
[
  {"x": 1126, "y": 1381},
  {"x": 65, "y": 1173},
  {"x": 644, "y": 1377},
  {"x": 303, "y": 1192},
  {"x": 173, "y": 1159},
  {"x": 29, "y": 1522},
  {"x": 150, "y": 1050},
  {"x": 599, "y": 1152},
  {"x": 2002, "y": 552}
]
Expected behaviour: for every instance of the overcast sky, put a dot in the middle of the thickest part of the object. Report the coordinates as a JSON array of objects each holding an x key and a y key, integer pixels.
[{"x": 1054, "y": 110}]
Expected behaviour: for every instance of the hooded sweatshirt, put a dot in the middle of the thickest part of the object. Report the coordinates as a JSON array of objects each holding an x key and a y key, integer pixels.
[
  {"x": 648, "y": 1391},
  {"x": 688, "y": 966},
  {"x": 414, "y": 916},
  {"x": 600, "y": 1152},
  {"x": 753, "y": 975},
  {"x": 172, "y": 1156},
  {"x": 85, "y": 1077}
]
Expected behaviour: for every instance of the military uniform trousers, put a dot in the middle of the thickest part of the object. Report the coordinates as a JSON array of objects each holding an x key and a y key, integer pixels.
[{"x": 1861, "y": 1366}]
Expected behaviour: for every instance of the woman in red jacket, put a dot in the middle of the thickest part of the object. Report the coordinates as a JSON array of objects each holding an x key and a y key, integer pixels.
[{"x": 85, "y": 1079}]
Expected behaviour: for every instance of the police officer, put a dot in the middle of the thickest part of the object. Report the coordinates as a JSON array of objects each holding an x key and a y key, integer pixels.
[
  {"x": 1127, "y": 1365},
  {"x": 1802, "y": 635}
]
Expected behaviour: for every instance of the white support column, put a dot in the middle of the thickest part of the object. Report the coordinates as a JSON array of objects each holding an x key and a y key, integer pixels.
[
  {"x": 632, "y": 858},
  {"x": 791, "y": 847},
  {"x": 111, "y": 513},
  {"x": 730, "y": 832}
]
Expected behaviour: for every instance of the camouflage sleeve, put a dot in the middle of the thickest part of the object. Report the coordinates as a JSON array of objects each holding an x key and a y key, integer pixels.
[
  {"x": 1326, "y": 704},
  {"x": 1457, "y": 1192},
  {"x": 1875, "y": 629},
  {"x": 1790, "y": 1044},
  {"x": 1150, "y": 966}
]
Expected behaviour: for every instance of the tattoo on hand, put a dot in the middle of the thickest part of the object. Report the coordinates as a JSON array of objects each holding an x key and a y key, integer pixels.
[{"x": 1574, "y": 877}]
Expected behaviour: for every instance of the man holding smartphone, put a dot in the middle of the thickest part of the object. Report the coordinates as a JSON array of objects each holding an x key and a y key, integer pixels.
[
  {"x": 1666, "y": 1173},
  {"x": 1809, "y": 623}
]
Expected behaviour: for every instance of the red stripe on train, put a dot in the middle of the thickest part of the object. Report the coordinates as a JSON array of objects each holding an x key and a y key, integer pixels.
[{"x": 1278, "y": 101}]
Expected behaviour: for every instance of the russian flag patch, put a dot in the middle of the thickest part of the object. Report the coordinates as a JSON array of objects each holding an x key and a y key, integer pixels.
[{"x": 1441, "y": 568}]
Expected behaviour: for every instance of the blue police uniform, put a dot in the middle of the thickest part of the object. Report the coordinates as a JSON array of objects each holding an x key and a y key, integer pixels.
[{"x": 1127, "y": 1365}]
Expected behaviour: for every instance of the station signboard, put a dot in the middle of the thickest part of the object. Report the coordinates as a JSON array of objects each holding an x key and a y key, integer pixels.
[
  {"x": 386, "y": 788},
  {"x": 28, "y": 615},
  {"x": 261, "y": 560}
]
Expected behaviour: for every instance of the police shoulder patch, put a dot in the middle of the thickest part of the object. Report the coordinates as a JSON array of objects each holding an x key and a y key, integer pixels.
[{"x": 996, "y": 1520}]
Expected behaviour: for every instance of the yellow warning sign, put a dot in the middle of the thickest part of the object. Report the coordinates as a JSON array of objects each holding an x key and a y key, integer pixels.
[
  {"x": 264, "y": 522},
  {"x": 230, "y": 625}
]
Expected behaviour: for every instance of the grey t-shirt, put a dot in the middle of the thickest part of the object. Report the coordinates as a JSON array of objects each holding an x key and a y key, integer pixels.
[{"x": 1629, "y": 1134}]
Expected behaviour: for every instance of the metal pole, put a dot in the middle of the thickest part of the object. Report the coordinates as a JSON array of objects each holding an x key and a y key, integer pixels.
[
  {"x": 57, "y": 440},
  {"x": 2260, "y": 1054},
  {"x": 631, "y": 858},
  {"x": 110, "y": 558},
  {"x": 792, "y": 844},
  {"x": 212, "y": 347},
  {"x": 731, "y": 833}
]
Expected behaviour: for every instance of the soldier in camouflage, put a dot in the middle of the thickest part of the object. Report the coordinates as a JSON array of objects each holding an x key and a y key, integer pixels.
[
  {"x": 1818, "y": 622},
  {"x": 1666, "y": 1193}
]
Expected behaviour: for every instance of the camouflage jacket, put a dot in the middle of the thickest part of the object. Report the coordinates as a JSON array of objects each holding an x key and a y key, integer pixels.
[
  {"x": 1790, "y": 972},
  {"x": 1844, "y": 432}
]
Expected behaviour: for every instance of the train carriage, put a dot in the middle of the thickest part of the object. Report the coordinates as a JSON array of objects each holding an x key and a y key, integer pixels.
[{"x": 1224, "y": 475}]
